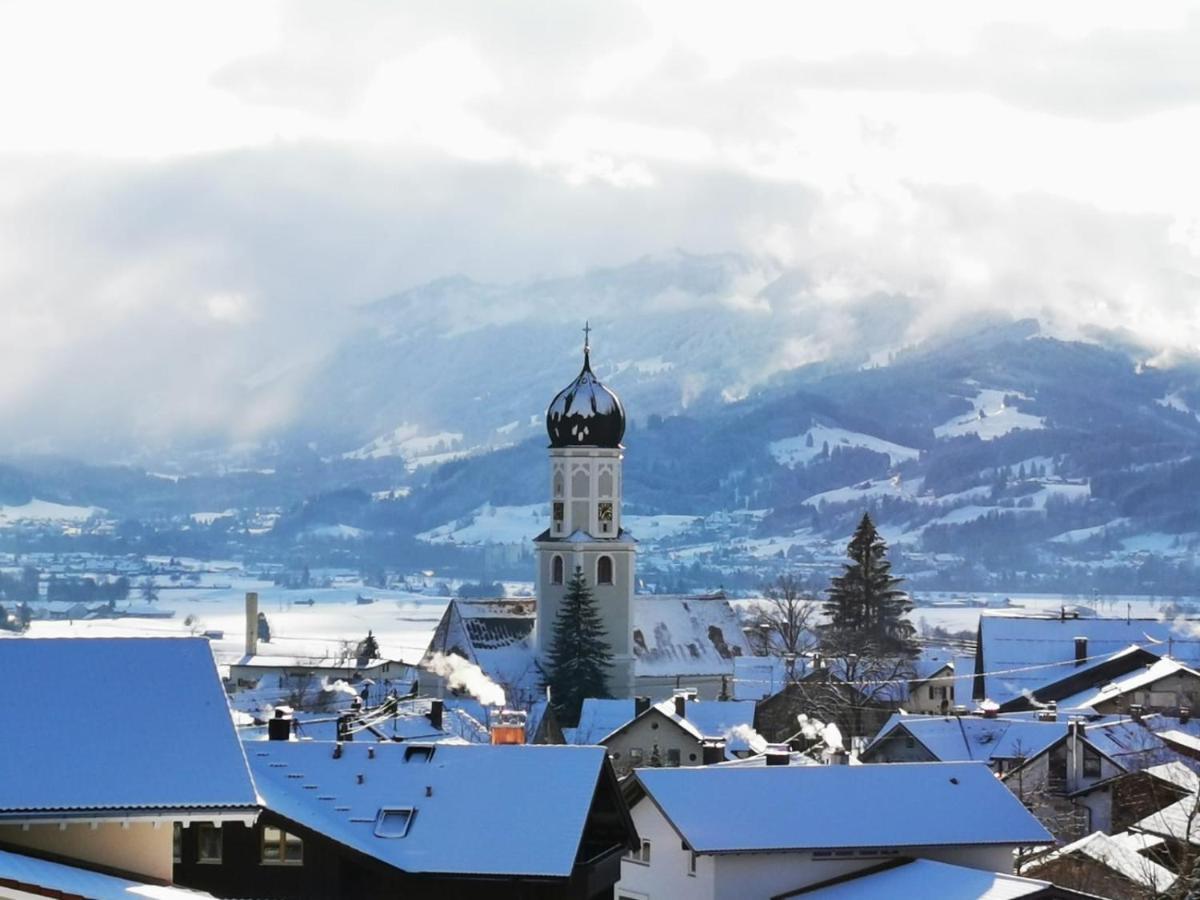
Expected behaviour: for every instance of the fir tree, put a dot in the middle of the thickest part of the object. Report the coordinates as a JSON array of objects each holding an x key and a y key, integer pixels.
[
  {"x": 580, "y": 657},
  {"x": 368, "y": 648},
  {"x": 865, "y": 601}
]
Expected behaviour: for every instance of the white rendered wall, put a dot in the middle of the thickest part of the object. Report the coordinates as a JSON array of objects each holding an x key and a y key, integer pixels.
[{"x": 742, "y": 876}]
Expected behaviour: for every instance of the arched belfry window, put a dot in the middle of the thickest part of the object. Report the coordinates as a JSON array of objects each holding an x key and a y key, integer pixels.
[
  {"x": 559, "y": 484},
  {"x": 556, "y": 570},
  {"x": 604, "y": 570}
]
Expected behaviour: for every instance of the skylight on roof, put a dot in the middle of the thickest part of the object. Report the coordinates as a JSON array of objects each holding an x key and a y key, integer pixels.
[{"x": 393, "y": 821}]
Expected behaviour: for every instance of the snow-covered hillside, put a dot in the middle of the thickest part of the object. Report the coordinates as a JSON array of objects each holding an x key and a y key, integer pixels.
[{"x": 823, "y": 440}]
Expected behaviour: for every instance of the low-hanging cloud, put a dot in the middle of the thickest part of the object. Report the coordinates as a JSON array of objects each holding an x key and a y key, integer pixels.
[{"x": 187, "y": 299}]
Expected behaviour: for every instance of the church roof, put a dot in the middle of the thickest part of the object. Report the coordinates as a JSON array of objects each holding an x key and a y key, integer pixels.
[{"x": 585, "y": 413}]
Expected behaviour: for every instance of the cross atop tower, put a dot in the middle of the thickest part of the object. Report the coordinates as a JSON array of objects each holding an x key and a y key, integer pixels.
[{"x": 587, "y": 330}]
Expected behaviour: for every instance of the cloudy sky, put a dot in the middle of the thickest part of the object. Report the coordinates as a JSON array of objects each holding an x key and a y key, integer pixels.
[{"x": 193, "y": 197}]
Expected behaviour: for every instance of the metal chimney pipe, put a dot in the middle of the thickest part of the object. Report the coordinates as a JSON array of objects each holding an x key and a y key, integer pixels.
[
  {"x": 1081, "y": 650},
  {"x": 436, "y": 708}
]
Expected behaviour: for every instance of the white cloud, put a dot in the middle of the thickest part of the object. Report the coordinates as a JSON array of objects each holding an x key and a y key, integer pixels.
[{"x": 231, "y": 178}]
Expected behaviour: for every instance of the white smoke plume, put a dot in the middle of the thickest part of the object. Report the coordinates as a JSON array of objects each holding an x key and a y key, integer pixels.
[
  {"x": 832, "y": 736},
  {"x": 744, "y": 736},
  {"x": 463, "y": 675},
  {"x": 810, "y": 728}
]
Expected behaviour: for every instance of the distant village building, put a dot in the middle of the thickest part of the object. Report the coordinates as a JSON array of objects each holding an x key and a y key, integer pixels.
[{"x": 679, "y": 731}]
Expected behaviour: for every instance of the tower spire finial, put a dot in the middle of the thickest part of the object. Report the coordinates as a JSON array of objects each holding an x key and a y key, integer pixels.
[{"x": 587, "y": 331}]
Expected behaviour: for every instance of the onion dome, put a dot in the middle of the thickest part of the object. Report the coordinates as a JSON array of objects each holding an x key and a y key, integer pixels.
[{"x": 585, "y": 413}]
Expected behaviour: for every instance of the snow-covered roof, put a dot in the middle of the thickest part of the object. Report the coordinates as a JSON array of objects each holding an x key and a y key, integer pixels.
[
  {"x": 720, "y": 809},
  {"x": 307, "y": 662},
  {"x": 973, "y": 738},
  {"x": 141, "y": 723},
  {"x": 1120, "y": 856},
  {"x": 601, "y": 719},
  {"x": 682, "y": 635},
  {"x": 1124, "y": 684},
  {"x": 672, "y": 635},
  {"x": 1179, "y": 821},
  {"x": 38, "y": 876},
  {"x": 476, "y": 809},
  {"x": 1181, "y": 739},
  {"x": 1177, "y": 774},
  {"x": 926, "y": 878},
  {"x": 1044, "y": 648}
]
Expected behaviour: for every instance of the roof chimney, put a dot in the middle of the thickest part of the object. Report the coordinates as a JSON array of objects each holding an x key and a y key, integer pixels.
[
  {"x": 436, "y": 708},
  {"x": 1185, "y": 715},
  {"x": 1050, "y": 713},
  {"x": 251, "y": 623},
  {"x": 279, "y": 728},
  {"x": 343, "y": 727},
  {"x": 1135, "y": 712},
  {"x": 839, "y": 757},
  {"x": 508, "y": 727},
  {"x": 712, "y": 752},
  {"x": 640, "y": 705},
  {"x": 1080, "y": 651},
  {"x": 778, "y": 754},
  {"x": 681, "y": 705}
]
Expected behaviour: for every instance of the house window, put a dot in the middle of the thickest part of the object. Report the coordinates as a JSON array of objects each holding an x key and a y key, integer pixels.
[
  {"x": 636, "y": 756},
  {"x": 673, "y": 758},
  {"x": 642, "y": 854},
  {"x": 556, "y": 570},
  {"x": 393, "y": 821},
  {"x": 281, "y": 848},
  {"x": 208, "y": 843},
  {"x": 1091, "y": 763},
  {"x": 177, "y": 843},
  {"x": 604, "y": 570}
]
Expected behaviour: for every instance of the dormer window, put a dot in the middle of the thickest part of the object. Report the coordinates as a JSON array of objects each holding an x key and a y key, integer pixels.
[{"x": 393, "y": 821}]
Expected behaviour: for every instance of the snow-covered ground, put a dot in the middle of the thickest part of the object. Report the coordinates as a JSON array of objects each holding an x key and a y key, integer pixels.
[
  {"x": 408, "y": 442},
  {"x": 803, "y": 448},
  {"x": 991, "y": 417},
  {"x": 402, "y": 622},
  {"x": 46, "y": 511}
]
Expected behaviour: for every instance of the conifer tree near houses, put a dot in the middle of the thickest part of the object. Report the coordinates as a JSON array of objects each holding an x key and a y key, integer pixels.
[
  {"x": 579, "y": 657},
  {"x": 865, "y": 602}
]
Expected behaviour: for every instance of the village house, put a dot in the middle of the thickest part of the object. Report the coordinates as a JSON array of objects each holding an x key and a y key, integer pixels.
[
  {"x": 926, "y": 878},
  {"x": 146, "y": 752},
  {"x": 680, "y": 731},
  {"x": 359, "y": 819},
  {"x": 1107, "y": 866},
  {"x": 1017, "y": 655},
  {"x": 799, "y": 826}
]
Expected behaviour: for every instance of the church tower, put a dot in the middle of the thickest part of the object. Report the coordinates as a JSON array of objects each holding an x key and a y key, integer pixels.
[{"x": 585, "y": 423}]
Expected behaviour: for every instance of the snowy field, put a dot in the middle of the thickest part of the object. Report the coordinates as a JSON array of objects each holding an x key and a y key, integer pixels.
[{"x": 402, "y": 622}]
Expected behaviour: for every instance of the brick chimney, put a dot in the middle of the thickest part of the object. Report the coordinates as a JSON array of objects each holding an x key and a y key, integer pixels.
[
  {"x": 251, "y": 623},
  {"x": 680, "y": 705},
  {"x": 712, "y": 752},
  {"x": 640, "y": 705},
  {"x": 508, "y": 727}
]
